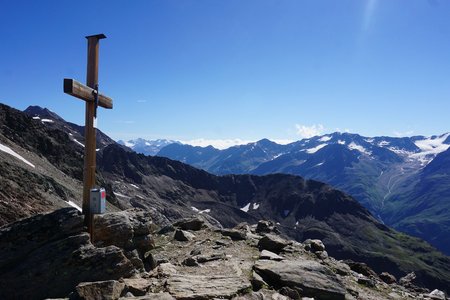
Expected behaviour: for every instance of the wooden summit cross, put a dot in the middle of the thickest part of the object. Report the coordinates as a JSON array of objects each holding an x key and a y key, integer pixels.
[{"x": 90, "y": 94}]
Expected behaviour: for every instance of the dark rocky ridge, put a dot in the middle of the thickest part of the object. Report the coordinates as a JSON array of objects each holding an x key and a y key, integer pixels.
[{"x": 76, "y": 131}]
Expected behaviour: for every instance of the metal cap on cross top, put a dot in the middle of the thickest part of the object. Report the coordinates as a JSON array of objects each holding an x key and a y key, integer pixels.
[
  {"x": 89, "y": 93},
  {"x": 98, "y": 36}
]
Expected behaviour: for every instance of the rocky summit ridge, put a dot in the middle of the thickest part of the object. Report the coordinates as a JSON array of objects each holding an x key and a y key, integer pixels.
[{"x": 139, "y": 254}]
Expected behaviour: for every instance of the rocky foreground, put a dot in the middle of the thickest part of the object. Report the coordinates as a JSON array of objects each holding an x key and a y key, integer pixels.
[{"x": 138, "y": 254}]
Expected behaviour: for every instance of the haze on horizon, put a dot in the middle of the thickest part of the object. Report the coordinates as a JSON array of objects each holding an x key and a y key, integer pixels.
[{"x": 236, "y": 71}]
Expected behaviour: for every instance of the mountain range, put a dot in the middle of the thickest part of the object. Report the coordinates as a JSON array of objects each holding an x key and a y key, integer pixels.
[
  {"x": 403, "y": 181},
  {"x": 41, "y": 170}
]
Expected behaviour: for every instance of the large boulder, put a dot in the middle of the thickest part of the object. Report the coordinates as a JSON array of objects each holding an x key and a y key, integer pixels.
[
  {"x": 361, "y": 268},
  {"x": 18, "y": 239},
  {"x": 137, "y": 286},
  {"x": 235, "y": 234},
  {"x": 314, "y": 279},
  {"x": 437, "y": 295},
  {"x": 314, "y": 245},
  {"x": 52, "y": 251},
  {"x": 388, "y": 278},
  {"x": 100, "y": 290},
  {"x": 114, "y": 229},
  {"x": 194, "y": 224},
  {"x": 183, "y": 236},
  {"x": 59, "y": 266},
  {"x": 264, "y": 227},
  {"x": 128, "y": 229},
  {"x": 273, "y": 243}
]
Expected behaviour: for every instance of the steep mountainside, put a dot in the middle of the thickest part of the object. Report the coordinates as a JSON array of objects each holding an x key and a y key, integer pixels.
[
  {"x": 424, "y": 210},
  {"x": 372, "y": 170},
  {"x": 303, "y": 208},
  {"x": 41, "y": 165}
]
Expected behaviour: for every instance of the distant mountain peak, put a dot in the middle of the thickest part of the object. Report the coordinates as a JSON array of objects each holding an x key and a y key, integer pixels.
[{"x": 42, "y": 112}]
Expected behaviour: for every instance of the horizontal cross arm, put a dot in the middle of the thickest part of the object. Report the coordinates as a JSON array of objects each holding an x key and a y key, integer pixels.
[{"x": 76, "y": 89}]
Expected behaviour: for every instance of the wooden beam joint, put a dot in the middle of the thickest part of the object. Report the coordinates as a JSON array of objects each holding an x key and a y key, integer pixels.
[{"x": 79, "y": 90}]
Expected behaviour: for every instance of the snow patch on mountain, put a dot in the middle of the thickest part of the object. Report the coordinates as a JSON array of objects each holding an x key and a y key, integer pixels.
[
  {"x": 325, "y": 138},
  {"x": 73, "y": 204},
  {"x": 319, "y": 164},
  {"x": 383, "y": 143},
  {"x": 78, "y": 142},
  {"x": 121, "y": 195},
  {"x": 315, "y": 149},
  {"x": 11, "y": 152},
  {"x": 430, "y": 147},
  {"x": 401, "y": 152},
  {"x": 433, "y": 144},
  {"x": 278, "y": 155},
  {"x": 200, "y": 211},
  {"x": 353, "y": 146},
  {"x": 341, "y": 142},
  {"x": 246, "y": 208},
  {"x": 47, "y": 121}
]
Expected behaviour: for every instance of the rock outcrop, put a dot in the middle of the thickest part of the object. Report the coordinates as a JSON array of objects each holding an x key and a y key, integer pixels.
[
  {"x": 48, "y": 255},
  {"x": 308, "y": 277}
]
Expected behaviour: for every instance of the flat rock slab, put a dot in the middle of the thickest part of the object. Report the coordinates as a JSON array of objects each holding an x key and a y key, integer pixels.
[
  {"x": 137, "y": 286},
  {"x": 313, "y": 278},
  {"x": 265, "y": 254},
  {"x": 205, "y": 287},
  {"x": 100, "y": 290},
  {"x": 151, "y": 296}
]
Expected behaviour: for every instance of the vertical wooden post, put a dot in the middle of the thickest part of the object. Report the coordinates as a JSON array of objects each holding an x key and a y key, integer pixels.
[{"x": 90, "y": 131}]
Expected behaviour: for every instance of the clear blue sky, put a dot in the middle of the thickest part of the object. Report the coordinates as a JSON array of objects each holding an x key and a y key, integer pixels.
[{"x": 236, "y": 68}]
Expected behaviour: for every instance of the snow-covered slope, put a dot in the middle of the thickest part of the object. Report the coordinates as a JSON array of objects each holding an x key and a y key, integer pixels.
[{"x": 147, "y": 147}]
